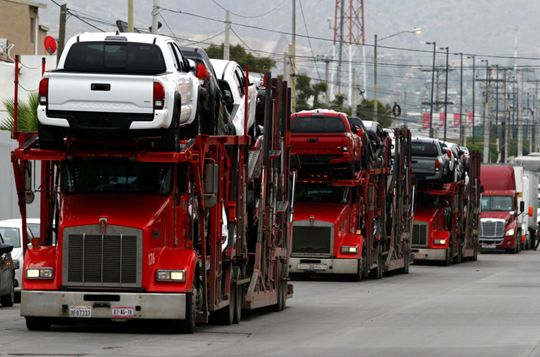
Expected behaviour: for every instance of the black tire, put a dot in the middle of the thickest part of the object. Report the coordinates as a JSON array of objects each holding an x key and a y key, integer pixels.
[
  {"x": 532, "y": 235},
  {"x": 188, "y": 325},
  {"x": 209, "y": 124},
  {"x": 360, "y": 272},
  {"x": 475, "y": 255},
  {"x": 225, "y": 315},
  {"x": 377, "y": 273},
  {"x": 279, "y": 305},
  {"x": 38, "y": 323},
  {"x": 458, "y": 257},
  {"x": 9, "y": 299},
  {"x": 238, "y": 302},
  {"x": 171, "y": 139},
  {"x": 407, "y": 263},
  {"x": 194, "y": 129},
  {"x": 50, "y": 138},
  {"x": 446, "y": 262},
  {"x": 284, "y": 293},
  {"x": 518, "y": 246}
]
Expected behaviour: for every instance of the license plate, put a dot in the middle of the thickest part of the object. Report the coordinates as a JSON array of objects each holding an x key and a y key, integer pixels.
[
  {"x": 122, "y": 312},
  {"x": 319, "y": 266},
  {"x": 304, "y": 266},
  {"x": 420, "y": 256},
  {"x": 489, "y": 246},
  {"x": 80, "y": 311}
]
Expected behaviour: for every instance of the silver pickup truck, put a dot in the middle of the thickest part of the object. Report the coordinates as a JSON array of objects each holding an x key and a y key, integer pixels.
[{"x": 429, "y": 160}]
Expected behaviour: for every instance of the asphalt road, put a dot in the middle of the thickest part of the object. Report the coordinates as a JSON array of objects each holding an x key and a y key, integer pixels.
[{"x": 486, "y": 308}]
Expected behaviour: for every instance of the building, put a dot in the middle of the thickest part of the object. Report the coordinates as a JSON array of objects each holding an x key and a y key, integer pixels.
[{"x": 19, "y": 25}]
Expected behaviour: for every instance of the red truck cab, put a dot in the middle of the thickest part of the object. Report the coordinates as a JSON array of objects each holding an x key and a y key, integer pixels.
[{"x": 326, "y": 141}]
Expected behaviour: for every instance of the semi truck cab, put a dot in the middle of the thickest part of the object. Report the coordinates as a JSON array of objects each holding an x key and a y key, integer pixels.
[{"x": 499, "y": 228}]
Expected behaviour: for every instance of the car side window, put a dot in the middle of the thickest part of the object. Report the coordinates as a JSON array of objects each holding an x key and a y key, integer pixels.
[
  {"x": 241, "y": 79},
  {"x": 183, "y": 61},
  {"x": 176, "y": 61},
  {"x": 29, "y": 234}
]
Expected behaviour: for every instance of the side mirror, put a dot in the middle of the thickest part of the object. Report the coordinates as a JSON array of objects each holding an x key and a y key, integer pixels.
[
  {"x": 227, "y": 97},
  {"x": 191, "y": 65},
  {"x": 521, "y": 207},
  {"x": 5, "y": 248}
]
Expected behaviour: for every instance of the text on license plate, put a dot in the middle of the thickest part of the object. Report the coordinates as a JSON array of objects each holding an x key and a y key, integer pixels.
[
  {"x": 420, "y": 256},
  {"x": 80, "y": 311},
  {"x": 122, "y": 312},
  {"x": 489, "y": 246}
]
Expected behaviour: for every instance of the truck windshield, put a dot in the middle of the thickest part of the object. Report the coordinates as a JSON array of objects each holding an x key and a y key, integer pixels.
[
  {"x": 114, "y": 57},
  {"x": 427, "y": 200},
  {"x": 497, "y": 203},
  {"x": 322, "y": 125},
  {"x": 321, "y": 193},
  {"x": 116, "y": 175},
  {"x": 424, "y": 149}
]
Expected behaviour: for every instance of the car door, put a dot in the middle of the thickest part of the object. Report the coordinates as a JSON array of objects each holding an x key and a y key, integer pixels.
[{"x": 4, "y": 270}]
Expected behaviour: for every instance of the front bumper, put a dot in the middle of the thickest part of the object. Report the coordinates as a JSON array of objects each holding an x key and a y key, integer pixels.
[
  {"x": 323, "y": 266},
  {"x": 144, "y": 305},
  {"x": 429, "y": 254},
  {"x": 498, "y": 243}
]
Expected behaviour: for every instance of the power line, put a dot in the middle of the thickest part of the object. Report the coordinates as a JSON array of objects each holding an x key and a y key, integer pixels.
[{"x": 250, "y": 17}]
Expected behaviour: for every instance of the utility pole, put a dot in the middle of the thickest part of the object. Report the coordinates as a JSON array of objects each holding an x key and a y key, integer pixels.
[
  {"x": 293, "y": 62},
  {"x": 461, "y": 134},
  {"x": 497, "y": 102},
  {"x": 286, "y": 68},
  {"x": 445, "y": 93},
  {"x": 130, "y": 16},
  {"x": 62, "y": 30},
  {"x": 226, "y": 43},
  {"x": 405, "y": 109},
  {"x": 355, "y": 93},
  {"x": 473, "y": 86},
  {"x": 155, "y": 16},
  {"x": 520, "y": 117},
  {"x": 504, "y": 119},
  {"x": 375, "y": 80}
]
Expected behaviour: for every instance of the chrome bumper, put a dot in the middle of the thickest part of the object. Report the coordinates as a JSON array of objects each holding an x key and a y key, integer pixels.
[
  {"x": 429, "y": 254},
  {"x": 332, "y": 266},
  {"x": 145, "y": 306}
]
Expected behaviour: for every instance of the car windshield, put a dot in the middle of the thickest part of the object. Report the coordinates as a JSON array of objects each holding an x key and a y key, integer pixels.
[
  {"x": 427, "y": 200},
  {"x": 115, "y": 57},
  {"x": 309, "y": 192},
  {"x": 11, "y": 236},
  {"x": 424, "y": 149},
  {"x": 320, "y": 124},
  {"x": 116, "y": 175},
  {"x": 496, "y": 203}
]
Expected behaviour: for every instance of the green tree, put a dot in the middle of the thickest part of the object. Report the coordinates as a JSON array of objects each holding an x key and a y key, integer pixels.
[
  {"x": 26, "y": 114},
  {"x": 366, "y": 111},
  {"x": 238, "y": 54},
  {"x": 304, "y": 91}
]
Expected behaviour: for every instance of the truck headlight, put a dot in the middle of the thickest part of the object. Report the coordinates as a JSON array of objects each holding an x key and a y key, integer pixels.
[
  {"x": 171, "y": 275},
  {"x": 39, "y": 273},
  {"x": 350, "y": 250},
  {"x": 510, "y": 232},
  {"x": 439, "y": 242}
]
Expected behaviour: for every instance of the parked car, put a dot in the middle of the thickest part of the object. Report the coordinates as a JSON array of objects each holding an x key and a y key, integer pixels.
[
  {"x": 112, "y": 86},
  {"x": 7, "y": 275},
  {"x": 430, "y": 163},
  {"x": 456, "y": 165},
  {"x": 232, "y": 82},
  {"x": 393, "y": 138},
  {"x": 325, "y": 141},
  {"x": 11, "y": 229},
  {"x": 217, "y": 120},
  {"x": 376, "y": 136}
]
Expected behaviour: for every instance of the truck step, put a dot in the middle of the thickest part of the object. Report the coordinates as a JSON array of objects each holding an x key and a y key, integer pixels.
[
  {"x": 253, "y": 162},
  {"x": 281, "y": 206}
]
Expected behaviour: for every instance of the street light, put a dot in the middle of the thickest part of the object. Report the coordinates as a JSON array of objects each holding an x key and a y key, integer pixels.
[
  {"x": 414, "y": 30},
  {"x": 432, "y": 86},
  {"x": 473, "y": 85},
  {"x": 445, "y": 92}
]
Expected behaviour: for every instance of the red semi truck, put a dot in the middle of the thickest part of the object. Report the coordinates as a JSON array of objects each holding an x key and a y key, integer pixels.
[
  {"x": 358, "y": 226},
  {"x": 176, "y": 236},
  {"x": 447, "y": 219}
]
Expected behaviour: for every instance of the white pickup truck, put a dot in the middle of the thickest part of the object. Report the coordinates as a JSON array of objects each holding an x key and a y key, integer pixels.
[{"x": 112, "y": 86}]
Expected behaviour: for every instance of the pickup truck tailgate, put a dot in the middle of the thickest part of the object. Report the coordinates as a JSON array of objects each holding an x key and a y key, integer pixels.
[
  {"x": 317, "y": 144},
  {"x": 110, "y": 93},
  {"x": 423, "y": 165}
]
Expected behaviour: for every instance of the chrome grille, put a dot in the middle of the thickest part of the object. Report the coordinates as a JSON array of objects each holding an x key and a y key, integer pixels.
[
  {"x": 420, "y": 234},
  {"x": 492, "y": 228},
  {"x": 92, "y": 259},
  {"x": 316, "y": 240}
]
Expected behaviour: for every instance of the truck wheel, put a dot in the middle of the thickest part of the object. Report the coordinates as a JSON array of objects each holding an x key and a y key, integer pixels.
[
  {"x": 284, "y": 293},
  {"x": 446, "y": 261},
  {"x": 193, "y": 129},
  {"x": 458, "y": 257},
  {"x": 50, "y": 138},
  {"x": 238, "y": 302},
  {"x": 279, "y": 306},
  {"x": 377, "y": 273},
  {"x": 225, "y": 315},
  {"x": 192, "y": 309},
  {"x": 171, "y": 139},
  {"x": 9, "y": 299},
  {"x": 518, "y": 246},
  {"x": 475, "y": 255},
  {"x": 407, "y": 263},
  {"x": 38, "y": 323},
  {"x": 360, "y": 272}
]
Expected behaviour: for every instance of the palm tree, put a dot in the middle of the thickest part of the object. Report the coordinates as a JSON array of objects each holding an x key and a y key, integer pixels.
[{"x": 26, "y": 114}]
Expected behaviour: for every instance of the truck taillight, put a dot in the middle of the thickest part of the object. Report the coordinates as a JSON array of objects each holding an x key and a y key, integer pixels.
[
  {"x": 346, "y": 144},
  {"x": 437, "y": 164},
  {"x": 43, "y": 92},
  {"x": 159, "y": 95}
]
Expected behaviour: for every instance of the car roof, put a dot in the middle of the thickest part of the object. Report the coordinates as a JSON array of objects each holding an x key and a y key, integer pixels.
[
  {"x": 220, "y": 66},
  {"x": 17, "y": 222},
  {"x": 425, "y": 140},
  {"x": 129, "y": 36}
]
